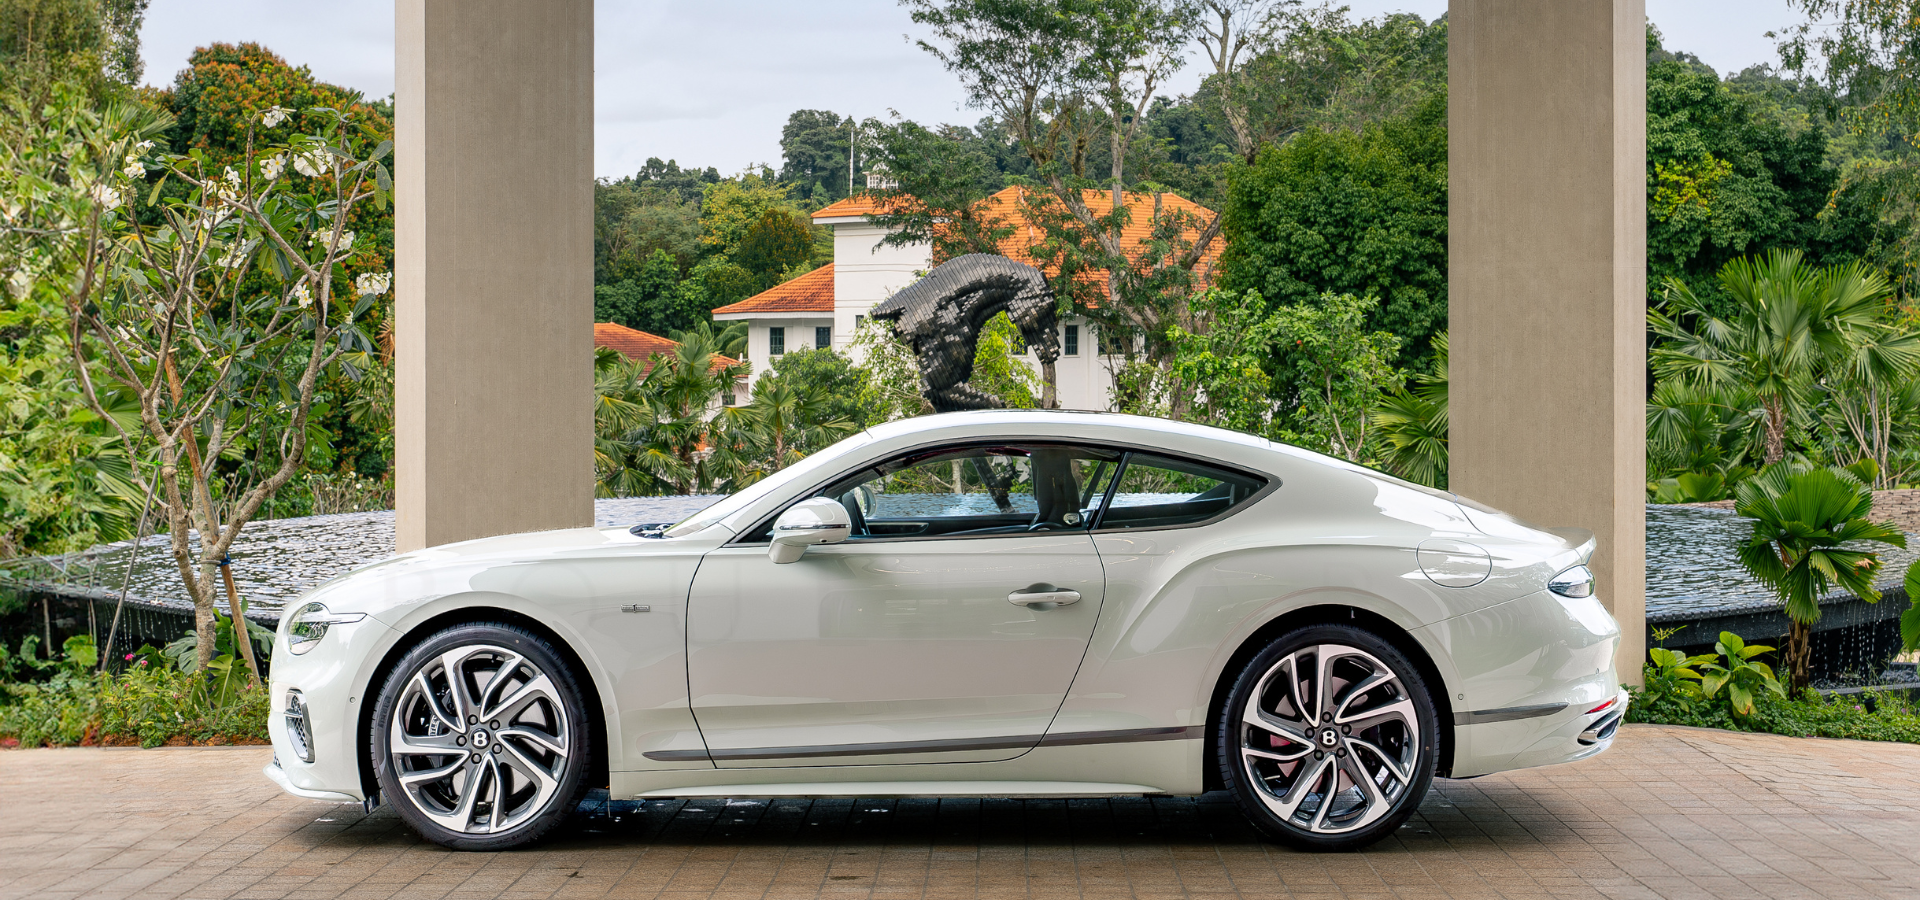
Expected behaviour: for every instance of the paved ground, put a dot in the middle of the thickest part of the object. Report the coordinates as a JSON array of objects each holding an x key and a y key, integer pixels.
[{"x": 1669, "y": 812}]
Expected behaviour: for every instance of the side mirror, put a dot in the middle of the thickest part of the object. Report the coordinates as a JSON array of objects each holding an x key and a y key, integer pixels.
[{"x": 815, "y": 521}]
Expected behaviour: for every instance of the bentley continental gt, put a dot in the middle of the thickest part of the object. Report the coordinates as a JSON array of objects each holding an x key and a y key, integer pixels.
[{"x": 996, "y": 603}]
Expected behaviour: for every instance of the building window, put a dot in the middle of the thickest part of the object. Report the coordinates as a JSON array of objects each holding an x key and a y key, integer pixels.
[
  {"x": 776, "y": 341},
  {"x": 859, "y": 321},
  {"x": 731, "y": 400},
  {"x": 1071, "y": 346},
  {"x": 823, "y": 337}
]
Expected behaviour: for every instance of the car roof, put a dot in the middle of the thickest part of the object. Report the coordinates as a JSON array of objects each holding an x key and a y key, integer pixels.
[{"x": 990, "y": 418}]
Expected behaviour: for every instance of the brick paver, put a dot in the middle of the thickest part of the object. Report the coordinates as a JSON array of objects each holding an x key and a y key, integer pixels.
[{"x": 1669, "y": 812}]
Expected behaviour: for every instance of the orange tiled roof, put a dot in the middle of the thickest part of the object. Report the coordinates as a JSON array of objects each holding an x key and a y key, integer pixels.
[
  {"x": 809, "y": 293},
  {"x": 636, "y": 344},
  {"x": 1007, "y": 207},
  {"x": 856, "y": 205}
]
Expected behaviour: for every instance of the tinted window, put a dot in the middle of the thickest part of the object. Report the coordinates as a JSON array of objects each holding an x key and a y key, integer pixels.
[
  {"x": 1157, "y": 492},
  {"x": 1002, "y": 489}
]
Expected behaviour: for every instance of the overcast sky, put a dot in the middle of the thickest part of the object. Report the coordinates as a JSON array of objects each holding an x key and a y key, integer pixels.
[{"x": 710, "y": 82}]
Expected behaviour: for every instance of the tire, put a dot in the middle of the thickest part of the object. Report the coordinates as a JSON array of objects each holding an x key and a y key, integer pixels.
[
  {"x": 1369, "y": 722},
  {"x": 493, "y": 781}
]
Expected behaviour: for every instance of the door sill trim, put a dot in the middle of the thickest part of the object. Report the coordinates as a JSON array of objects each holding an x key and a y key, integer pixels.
[{"x": 956, "y": 745}]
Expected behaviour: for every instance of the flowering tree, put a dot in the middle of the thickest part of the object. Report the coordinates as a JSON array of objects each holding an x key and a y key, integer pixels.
[{"x": 217, "y": 313}]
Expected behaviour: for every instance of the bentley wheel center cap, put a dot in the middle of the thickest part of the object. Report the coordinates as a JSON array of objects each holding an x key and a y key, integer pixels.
[
  {"x": 1328, "y": 738},
  {"x": 480, "y": 738}
]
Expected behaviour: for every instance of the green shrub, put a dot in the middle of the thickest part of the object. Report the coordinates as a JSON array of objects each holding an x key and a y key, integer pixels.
[
  {"x": 64, "y": 702},
  {"x": 1674, "y": 696}
]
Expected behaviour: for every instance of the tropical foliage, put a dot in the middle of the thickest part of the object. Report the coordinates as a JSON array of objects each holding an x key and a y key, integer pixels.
[{"x": 1809, "y": 525}]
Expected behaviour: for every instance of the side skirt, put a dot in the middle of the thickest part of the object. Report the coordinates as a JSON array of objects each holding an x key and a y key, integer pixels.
[{"x": 1127, "y": 767}]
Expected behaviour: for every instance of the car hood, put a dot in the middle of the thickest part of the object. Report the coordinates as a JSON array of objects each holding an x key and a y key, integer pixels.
[{"x": 341, "y": 591}]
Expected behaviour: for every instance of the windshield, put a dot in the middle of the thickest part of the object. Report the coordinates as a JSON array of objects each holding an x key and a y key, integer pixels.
[{"x": 800, "y": 471}]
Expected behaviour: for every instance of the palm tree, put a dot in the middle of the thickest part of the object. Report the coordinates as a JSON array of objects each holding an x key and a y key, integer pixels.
[
  {"x": 1792, "y": 319},
  {"x": 1870, "y": 380},
  {"x": 1804, "y": 517},
  {"x": 792, "y": 424},
  {"x": 1414, "y": 423},
  {"x": 660, "y": 426}
]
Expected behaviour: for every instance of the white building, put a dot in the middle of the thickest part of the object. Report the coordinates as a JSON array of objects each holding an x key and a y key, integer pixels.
[{"x": 824, "y": 307}]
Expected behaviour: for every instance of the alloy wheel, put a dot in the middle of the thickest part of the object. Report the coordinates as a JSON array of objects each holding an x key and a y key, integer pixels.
[
  {"x": 480, "y": 739},
  {"x": 1329, "y": 739}
]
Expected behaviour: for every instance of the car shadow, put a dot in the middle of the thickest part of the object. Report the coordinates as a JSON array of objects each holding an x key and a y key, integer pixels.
[{"x": 1453, "y": 815}]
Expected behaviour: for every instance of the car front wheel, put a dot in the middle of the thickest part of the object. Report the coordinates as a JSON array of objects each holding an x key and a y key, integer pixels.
[
  {"x": 1327, "y": 740},
  {"x": 480, "y": 740}
]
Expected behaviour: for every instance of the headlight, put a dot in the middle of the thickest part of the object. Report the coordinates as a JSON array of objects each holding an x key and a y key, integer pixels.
[
  {"x": 1576, "y": 582},
  {"x": 310, "y": 623}
]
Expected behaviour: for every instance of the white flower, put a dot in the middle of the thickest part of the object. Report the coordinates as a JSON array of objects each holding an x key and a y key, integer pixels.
[
  {"x": 324, "y": 238},
  {"x": 302, "y": 296},
  {"x": 20, "y": 283},
  {"x": 373, "y": 284},
  {"x": 142, "y": 147},
  {"x": 134, "y": 169},
  {"x": 274, "y": 116},
  {"x": 310, "y": 164},
  {"x": 234, "y": 258},
  {"x": 229, "y": 188},
  {"x": 272, "y": 166},
  {"x": 107, "y": 196}
]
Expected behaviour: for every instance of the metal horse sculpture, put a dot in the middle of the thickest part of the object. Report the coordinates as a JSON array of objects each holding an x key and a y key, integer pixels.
[{"x": 940, "y": 317}]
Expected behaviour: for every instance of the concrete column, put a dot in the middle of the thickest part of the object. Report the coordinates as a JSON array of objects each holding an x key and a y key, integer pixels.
[
  {"x": 1547, "y": 275},
  {"x": 493, "y": 238}
]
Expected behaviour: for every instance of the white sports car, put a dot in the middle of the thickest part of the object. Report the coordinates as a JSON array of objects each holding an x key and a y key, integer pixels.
[{"x": 1007, "y": 604}]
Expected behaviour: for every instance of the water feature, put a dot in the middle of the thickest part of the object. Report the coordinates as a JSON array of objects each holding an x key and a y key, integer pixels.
[
  {"x": 276, "y": 560},
  {"x": 1693, "y": 580}
]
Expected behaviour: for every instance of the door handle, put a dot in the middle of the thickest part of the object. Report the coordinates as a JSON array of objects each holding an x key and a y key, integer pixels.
[{"x": 1043, "y": 599}]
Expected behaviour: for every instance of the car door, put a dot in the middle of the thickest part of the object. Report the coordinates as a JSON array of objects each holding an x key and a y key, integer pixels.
[{"x": 902, "y": 644}]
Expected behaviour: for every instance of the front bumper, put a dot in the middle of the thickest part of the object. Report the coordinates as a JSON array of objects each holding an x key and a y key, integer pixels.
[
  {"x": 332, "y": 681},
  {"x": 278, "y": 776}
]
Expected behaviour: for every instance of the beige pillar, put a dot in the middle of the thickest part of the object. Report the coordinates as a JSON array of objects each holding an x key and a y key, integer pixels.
[
  {"x": 493, "y": 239},
  {"x": 1547, "y": 275}
]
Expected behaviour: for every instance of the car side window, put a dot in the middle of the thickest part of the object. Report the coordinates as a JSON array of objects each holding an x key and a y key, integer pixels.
[
  {"x": 977, "y": 490},
  {"x": 1160, "y": 492}
]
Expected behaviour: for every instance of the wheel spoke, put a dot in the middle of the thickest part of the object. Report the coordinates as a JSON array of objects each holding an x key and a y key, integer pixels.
[
  {"x": 506, "y": 707},
  {"x": 1389, "y": 763},
  {"x": 431, "y": 775},
  {"x": 1260, "y": 718},
  {"x": 420, "y": 683},
  {"x": 1277, "y": 756},
  {"x": 488, "y": 700},
  {"x": 414, "y": 744},
  {"x": 1356, "y": 691},
  {"x": 452, "y": 662},
  {"x": 1303, "y": 784},
  {"x": 460, "y": 818},
  {"x": 1400, "y": 710},
  {"x": 497, "y": 811},
  {"x": 1323, "y": 682},
  {"x": 546, "y": 741},
  {"x": 1376, "y": 802}
]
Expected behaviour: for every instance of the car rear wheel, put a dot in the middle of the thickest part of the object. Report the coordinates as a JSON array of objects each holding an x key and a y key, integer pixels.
[
  {"x": 1328, "y": 738},
  {"x": 480, "y": 740}
]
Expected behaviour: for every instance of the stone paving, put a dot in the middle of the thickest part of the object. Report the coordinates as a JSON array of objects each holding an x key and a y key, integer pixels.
[{"x": 1669, "y": 812}]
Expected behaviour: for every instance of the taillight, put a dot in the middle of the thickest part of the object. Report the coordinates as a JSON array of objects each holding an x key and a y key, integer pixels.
[
  {"x": 1604, "y": 706},
  {"x": 1576, "y": 583}
]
